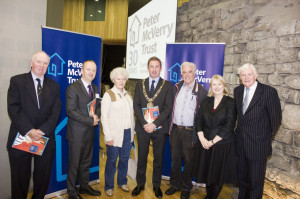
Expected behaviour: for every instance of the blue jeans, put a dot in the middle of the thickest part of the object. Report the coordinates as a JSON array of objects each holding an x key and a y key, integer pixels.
[{"x": 112, "y": 156}]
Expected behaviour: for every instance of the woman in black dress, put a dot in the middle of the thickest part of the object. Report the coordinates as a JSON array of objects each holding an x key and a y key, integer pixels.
[{"x": 214, "y": 125}]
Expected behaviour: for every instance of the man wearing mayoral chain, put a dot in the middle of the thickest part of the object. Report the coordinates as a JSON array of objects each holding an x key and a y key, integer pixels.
[{"x": 152, "y": 92}]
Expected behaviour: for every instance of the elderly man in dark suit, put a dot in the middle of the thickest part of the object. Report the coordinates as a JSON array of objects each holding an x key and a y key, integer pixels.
[
  {"x": 33, "y": 103},
  {"x": 259, "y": 117},
  {"x": 150, "y": 92},
  {"x": 81, "y": 130}
]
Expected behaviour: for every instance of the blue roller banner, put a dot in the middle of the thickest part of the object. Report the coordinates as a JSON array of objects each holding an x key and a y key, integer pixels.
[
  {"x": 209, "y": 61},
  {"x": 68, "y": 51}
]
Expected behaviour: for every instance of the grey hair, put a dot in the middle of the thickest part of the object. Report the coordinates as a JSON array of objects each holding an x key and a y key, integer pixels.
[
  {"x": 247, "y": 66},
  {"x": 119, "y": 71},
  {"x": 188, "y": 64}
]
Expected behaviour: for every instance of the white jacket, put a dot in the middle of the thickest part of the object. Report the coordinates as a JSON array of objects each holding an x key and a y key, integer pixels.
[{"x": 113, "y": 114}]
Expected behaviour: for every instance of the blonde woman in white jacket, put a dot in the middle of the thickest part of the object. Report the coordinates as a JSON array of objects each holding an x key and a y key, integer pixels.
[{"x": 118, "y": 127}]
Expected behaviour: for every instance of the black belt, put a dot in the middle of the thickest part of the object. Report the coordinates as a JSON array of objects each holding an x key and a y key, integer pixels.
[{"x": 189, "y": 128}]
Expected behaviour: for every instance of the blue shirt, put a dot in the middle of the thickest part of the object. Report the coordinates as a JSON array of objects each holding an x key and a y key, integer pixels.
[
  {"x": 155, "y": 83},
  {"x": 185, "y": 106}
]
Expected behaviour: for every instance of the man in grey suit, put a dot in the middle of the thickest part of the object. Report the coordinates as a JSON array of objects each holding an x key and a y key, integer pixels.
[
  {"x": 150, "y": 92},
  {"x": 81, "y": 130},
  {"x": 259, "y": 117}
]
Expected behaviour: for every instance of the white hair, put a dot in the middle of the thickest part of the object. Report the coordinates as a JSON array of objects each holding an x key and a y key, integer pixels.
[
  {"x": 247, "y": 66},
  {"x": 119, "y": 71},
  {"x": 38, "y": 53},
  {"x": 188, "y": 64}
]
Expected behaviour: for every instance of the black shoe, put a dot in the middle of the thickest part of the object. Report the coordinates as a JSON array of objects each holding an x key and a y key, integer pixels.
[
  {"x": 158, "y": 192},
  {"x": 137, "y": 190},
  {"x": 171, "y": 191},
  {"x": 74, "y": 196},
  {"x": 185, "y": 195},
  {"x": 89, "y": 191}
]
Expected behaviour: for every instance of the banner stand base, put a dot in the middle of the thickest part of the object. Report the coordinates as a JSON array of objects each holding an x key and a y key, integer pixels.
[{"x": 64, "y": 191}]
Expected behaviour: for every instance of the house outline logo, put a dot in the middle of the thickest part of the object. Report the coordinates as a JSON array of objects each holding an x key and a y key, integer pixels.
[
  {"x": 135, "y": 31},
  {"x": 175, "y": 75},
  {"x": 60, "y": 175},
  {"x": 55, "y": 68}
]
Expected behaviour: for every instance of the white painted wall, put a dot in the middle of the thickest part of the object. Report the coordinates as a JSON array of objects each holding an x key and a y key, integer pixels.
[{"x": 20, "y": 37}]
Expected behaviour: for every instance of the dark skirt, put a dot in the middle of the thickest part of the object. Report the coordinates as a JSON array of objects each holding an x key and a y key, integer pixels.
[{"x": 217, "y": 165}]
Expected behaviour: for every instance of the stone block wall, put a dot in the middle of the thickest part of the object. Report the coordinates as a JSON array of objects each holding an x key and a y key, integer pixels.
[{"x": 265, "y": 33}]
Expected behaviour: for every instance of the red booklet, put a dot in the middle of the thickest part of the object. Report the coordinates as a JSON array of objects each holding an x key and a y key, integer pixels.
[
  {"x": 92, "y": 107},
  {"x": 150, "y": 114},
  {"x": 24, "y": 143}
]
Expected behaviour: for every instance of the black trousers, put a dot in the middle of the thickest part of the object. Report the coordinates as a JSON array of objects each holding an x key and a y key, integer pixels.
[
  {"x": 182, "y": 148},
  {"x": 80, "y": 159},
  {"x": 213, "y": 191},
  {"x": 20, "y": 166},
  {"x": 158, "y": 140},
  {"x": 251, "y": 176}
]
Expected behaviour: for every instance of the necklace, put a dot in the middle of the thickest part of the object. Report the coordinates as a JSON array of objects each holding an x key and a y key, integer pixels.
[{"x": 150, "y": 100}]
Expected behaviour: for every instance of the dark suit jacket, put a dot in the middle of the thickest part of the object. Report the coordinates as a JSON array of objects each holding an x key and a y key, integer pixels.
[
  {"x": 256, "y": 128},
  {"x": 220, "y": 122},
  {"x": 80, "y": 125},
  {"x": 163, "y": 100},
  {"x": 23, "y": 108}
]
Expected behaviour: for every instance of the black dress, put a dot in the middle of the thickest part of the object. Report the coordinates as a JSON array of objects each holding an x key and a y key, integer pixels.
[{"x": 218, "y": 164}]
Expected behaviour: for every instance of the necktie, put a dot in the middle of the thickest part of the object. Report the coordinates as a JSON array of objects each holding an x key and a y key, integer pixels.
[
  {"x": 152, "y": 89},
  {"x": 39, "y": 90},
  {"x": 246, "y": 101},
  {"x": 90, "y": 92}
]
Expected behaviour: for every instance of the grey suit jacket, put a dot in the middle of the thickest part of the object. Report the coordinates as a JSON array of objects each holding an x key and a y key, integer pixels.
[
  {"x": 163, "y": 100},
  {"x": 256, "y": 128},
  {"x": 80, "y": 125}
]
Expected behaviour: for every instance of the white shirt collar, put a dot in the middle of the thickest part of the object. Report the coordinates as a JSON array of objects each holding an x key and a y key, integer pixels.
[
  {"x": 253, "y": 87},
  {"x": 85, "y": 83},
  {"x": 34, "y": 78}
]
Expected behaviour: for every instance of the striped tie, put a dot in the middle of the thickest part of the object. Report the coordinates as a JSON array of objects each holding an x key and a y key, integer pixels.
[{"x": 39, "y": 90}]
